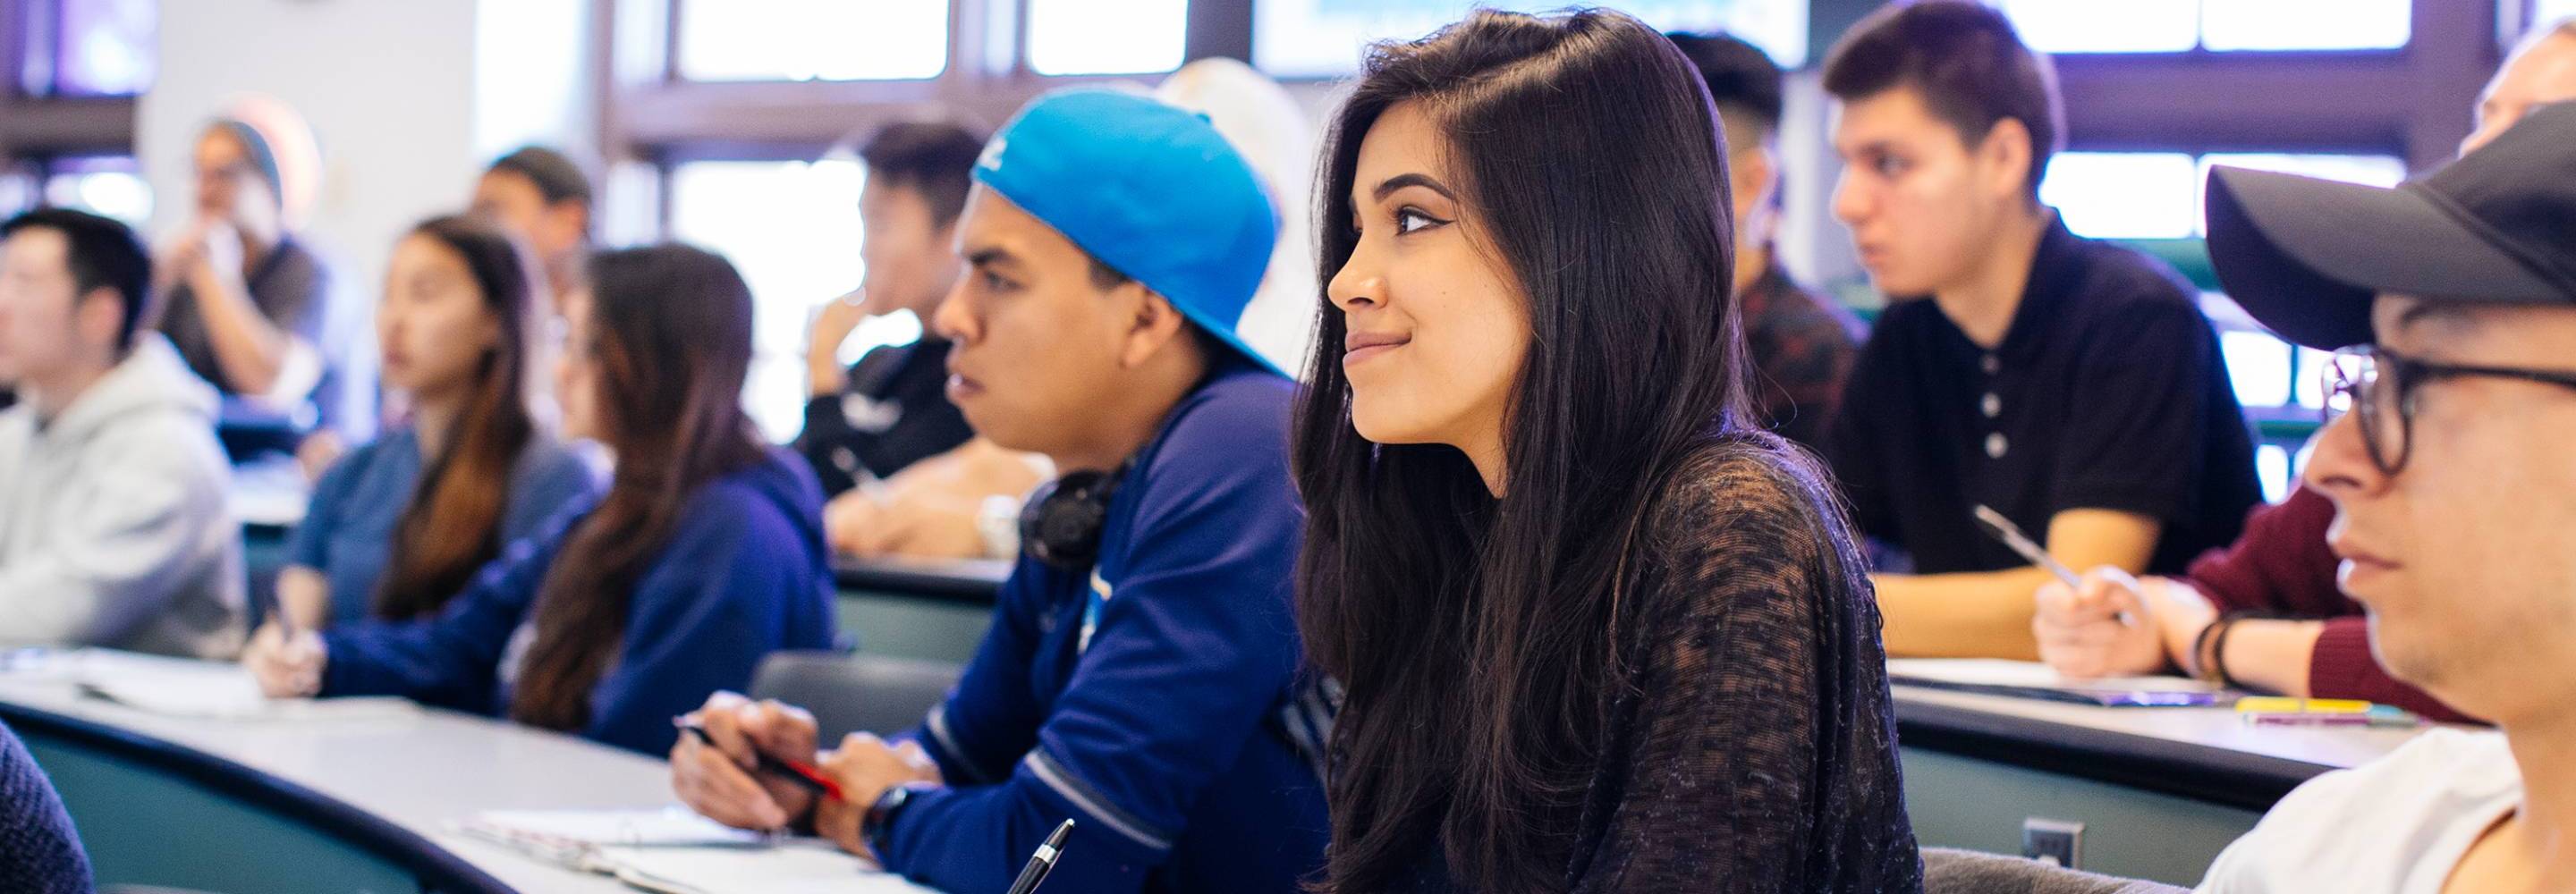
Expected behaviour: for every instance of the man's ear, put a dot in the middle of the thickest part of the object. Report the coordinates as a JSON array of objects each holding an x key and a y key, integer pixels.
[
  {"x": 2007, "y": 156},
  {"x": 97, "y": 315},
  {"x": 1154, "y": 326}
]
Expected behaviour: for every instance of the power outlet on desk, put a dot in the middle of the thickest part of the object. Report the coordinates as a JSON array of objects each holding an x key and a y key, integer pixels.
[{"x": 2054, "y": 842}]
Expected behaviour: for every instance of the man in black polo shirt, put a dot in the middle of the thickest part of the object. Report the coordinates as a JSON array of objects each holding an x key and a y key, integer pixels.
[
  {"x": 906, "y": 473},
  {"x": 2071, "y": 385}
]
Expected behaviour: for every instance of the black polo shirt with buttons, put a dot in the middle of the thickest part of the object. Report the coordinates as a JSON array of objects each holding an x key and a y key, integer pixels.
[
  {"x": 2107, "y": 392},
  {"x": 894, "y": 413}
]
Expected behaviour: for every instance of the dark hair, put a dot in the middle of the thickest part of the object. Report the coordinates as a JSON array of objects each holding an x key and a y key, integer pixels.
[
  {"x": 101, "y": 254},
  {"x": 1743, "y": 83},
  {"x": 934, "y": 158},
  {"x": 557, "y": 178},
  {"x": 1472, "y": 635},
  {"x": 453, "y": 525},
  {"x": 1968, "y": 63},
  {"x": 672, "y": 329}
]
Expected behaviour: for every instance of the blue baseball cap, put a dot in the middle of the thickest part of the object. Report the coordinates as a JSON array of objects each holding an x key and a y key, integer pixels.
[{"x": 1150, "y": 190}]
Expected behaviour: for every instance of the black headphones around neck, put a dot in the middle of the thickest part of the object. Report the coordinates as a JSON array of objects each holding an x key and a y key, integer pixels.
[{"x": 1062, "y": 521}]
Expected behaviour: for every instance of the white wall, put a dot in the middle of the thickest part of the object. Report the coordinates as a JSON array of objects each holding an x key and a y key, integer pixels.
[{"x": 409, "y": 99}]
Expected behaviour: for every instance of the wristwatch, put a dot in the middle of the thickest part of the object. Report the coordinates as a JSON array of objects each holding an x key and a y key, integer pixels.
[{"x": 880, "y": 815}]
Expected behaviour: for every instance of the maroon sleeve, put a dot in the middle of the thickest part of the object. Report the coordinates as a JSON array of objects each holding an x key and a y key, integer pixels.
[{"x": 2282, "y": 565}]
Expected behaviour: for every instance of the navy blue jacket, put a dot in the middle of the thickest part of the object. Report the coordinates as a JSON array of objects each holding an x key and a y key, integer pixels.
[
  {"x": 1179, "y": 738},
  {"x": 745, "y": 573}
]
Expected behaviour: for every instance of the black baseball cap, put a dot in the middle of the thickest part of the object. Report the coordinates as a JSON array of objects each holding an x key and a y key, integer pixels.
[{"x": 2307, "y": 256}]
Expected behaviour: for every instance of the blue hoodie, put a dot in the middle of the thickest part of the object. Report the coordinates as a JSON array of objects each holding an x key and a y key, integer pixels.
[
  {"x": 745, "y": 573},
  {"x": 1176, "y": 731}
]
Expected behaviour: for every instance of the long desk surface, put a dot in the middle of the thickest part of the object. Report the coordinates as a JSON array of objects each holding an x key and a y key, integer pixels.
[{"x": 388, "y": 783}]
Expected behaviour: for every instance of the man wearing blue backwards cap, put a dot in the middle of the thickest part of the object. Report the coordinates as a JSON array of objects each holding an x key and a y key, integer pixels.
[
  {"x": 1140, "y": 676},
  {"x": 2453, "y": 301}
]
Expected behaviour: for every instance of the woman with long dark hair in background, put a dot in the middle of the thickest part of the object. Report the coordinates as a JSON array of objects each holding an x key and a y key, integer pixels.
[
  {"x": 705, "y": 554},
  {"x": 1595, "y": 630},
  {"x": 399, "y": 526}
]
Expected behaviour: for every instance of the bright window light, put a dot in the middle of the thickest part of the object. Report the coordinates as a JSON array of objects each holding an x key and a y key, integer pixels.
[
  {"x": 1071, "y": 37},
  {"x": 2136, "y": 26},
  {"x": 812, "y": 40},
  {"x": 792, "y": 228},
  {"x": 2124, "y": 195},
  {"x": 2227, "y": 25},
  {"x": 1324, "y": 38}
]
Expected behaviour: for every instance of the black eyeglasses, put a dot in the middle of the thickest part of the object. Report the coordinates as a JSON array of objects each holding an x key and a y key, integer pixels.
[{"x": 2378, "y": 386}]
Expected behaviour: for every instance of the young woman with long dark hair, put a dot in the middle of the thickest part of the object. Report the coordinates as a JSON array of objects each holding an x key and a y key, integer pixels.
[
  {"x": 1594, "y": 629},
  {"x": 705, "y": 554},
  {"x": 399, "y": 526}
]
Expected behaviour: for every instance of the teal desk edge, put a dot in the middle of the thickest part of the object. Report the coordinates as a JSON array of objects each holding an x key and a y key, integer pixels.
[{"x": 436, "y": 868}]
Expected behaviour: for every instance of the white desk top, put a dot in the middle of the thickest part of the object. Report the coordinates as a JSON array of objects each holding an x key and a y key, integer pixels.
[
  {"x": 419, "y": 770},
  {"x": 2220, "y": 728}
]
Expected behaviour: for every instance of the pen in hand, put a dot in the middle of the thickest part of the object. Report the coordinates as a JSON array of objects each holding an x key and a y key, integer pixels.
[
  {"x": 801, "y": 775},
  {"x": 2003, "y": 530}
]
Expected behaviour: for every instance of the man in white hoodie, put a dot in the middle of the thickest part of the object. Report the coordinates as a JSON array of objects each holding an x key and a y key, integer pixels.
[{"x": 113, "y": 524}]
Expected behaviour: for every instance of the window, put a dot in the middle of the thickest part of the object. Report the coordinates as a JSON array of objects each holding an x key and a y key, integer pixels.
[
  {"x": 1324, "y": 38},
  {"x": 102, "y": 48},
  {"x": 2546, "y": 12},
  {"x": 2157, "y": 195},
  {"x": 2174, "y": 26},
  {"x": 109, "y": 185},
  {"x": 1077, "y": 37},
  {"x": 792, "y": 228},
  {"x": 811, "y": 40}
]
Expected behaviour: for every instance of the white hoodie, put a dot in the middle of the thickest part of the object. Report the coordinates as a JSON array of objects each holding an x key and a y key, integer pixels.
[{"x": 114, "y": 526}]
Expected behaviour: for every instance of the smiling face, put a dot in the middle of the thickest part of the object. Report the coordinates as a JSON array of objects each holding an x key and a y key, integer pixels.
[
  {"x": 1923, "y": 204},
  {"x": 1438, "y": 328},
  {"x": 2470, "y": 582}
]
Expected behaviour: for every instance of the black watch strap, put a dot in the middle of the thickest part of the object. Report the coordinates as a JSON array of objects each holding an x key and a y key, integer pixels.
[{"x": 881, "y": 814}]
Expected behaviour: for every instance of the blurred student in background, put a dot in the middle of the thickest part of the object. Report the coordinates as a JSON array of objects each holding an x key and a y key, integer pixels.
[
  {"x": 2071, "y": 385},
  {"x": 906, "y": 473},
  {"x": 249, "y": 306},
  {"x": 113, "y": 524},
  {"x": 704, "y": 555},
  {"x": 398, "y": 527},
  {"x": 2289, "y": 628},
  {"x": 1801, "y": 342},
  {"x": 545, "y": 199}
]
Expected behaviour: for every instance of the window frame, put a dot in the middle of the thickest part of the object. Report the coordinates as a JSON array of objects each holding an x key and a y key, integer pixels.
[{"x": 41, "y": 127}]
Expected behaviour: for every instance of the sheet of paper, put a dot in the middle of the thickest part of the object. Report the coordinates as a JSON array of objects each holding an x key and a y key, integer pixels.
[
  {"x": 804, "y": 866},
  {"x": 178, "y": 687},
  {"x": 668, "y": 827},
  {"x": 2030, "y": 675}
]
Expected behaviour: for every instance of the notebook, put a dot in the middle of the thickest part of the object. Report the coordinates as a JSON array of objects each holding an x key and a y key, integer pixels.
[
  {"x": 180, "y": 687},
  {"x": 2031, "y": 679},
  {"x": 674, "y": 851}
]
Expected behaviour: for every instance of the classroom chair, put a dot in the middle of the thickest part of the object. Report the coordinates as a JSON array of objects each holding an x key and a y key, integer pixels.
[
  {"x": 852, "y": 693},
  {"x": 1948, "y": 871}
]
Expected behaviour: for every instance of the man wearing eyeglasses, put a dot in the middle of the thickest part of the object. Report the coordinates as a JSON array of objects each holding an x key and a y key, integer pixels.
[
  {"x": 2264, "y": 613},
  {"x": 2455, "y": 502}
]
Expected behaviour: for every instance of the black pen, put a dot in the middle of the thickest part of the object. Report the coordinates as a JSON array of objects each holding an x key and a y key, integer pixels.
[{"x": 1043, "y": 861}]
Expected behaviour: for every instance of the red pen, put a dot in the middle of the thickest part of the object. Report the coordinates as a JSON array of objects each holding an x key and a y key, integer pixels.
[{"x": 803, "y": 775}]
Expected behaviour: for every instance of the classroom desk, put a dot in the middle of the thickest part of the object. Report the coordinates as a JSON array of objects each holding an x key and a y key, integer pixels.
[
  {"x": 348, "y": 804},
  {"x": 2160, "y": 790},
  {"x": 922, "y": 610}
]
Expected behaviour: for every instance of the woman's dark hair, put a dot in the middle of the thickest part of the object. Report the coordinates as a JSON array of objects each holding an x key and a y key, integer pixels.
[
  {"x": 453, "y": 525},
  {"x": 672, "y": 337},
  {"x": 1473, "y": 635}
]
